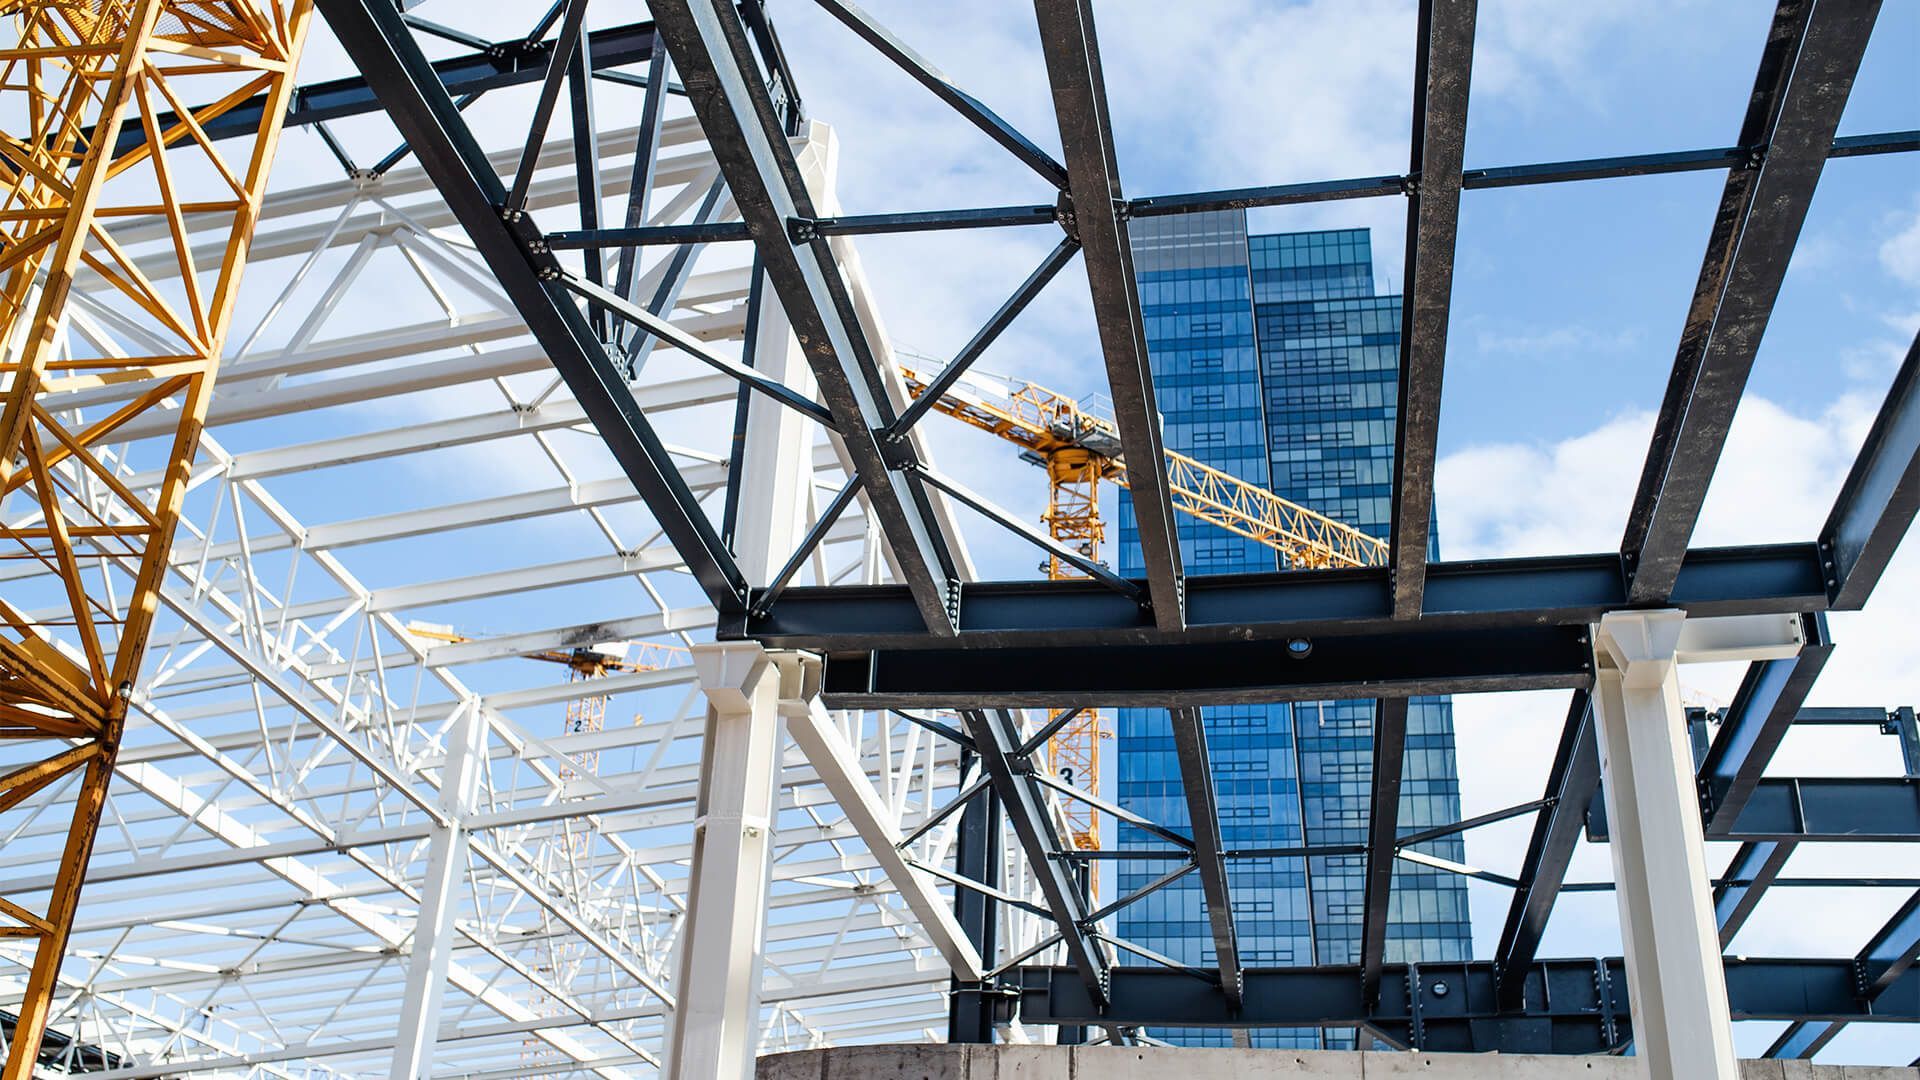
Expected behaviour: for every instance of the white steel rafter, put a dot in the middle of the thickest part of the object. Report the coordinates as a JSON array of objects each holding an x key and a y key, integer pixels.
[{"x": 267, "y": 844}]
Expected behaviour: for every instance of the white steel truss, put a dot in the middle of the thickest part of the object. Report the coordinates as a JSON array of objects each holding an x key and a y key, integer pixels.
[{"x": 285, "y": 804}]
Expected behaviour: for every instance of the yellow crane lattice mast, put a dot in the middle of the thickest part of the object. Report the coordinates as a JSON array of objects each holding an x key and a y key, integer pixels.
[
  {"x": 75, "y": 76},
  {"x": 1079, "y": 448}
]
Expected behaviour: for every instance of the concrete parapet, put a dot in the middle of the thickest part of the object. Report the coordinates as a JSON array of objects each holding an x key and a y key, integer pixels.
[{"x": 938, "y": 1062}]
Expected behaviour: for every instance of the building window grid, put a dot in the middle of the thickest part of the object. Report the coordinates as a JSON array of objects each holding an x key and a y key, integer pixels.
[{"x": 1275, "y": 361}]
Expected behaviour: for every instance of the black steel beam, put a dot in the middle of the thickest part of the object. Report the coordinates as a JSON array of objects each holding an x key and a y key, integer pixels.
[
  {"x": 1881, "y": 495},
  {"x": 1173, "y": 676},
  {"x": 411, "y": 91},
  {"x": 976, "y": 856},
  {"x": 1892, "y": 951},
  {"x": 1496, "y": 593},
  {"x": 507, "y": 63},
  {"x": 1840, "y": 810},
  {"x": 1072, "y": 52},
  {"x": 1802, "y": 1039},
  {"x": 997, "y": 739},
  {"x": 1571, "y": 783},
  {"x": 1451, "y": 1000},
  {"x": 1383, "y": 825},
  {"x": 944, "y": 88},
  {"x": 1203, "y": 816},
  {"x": 714, "y": 56},
  {"x": 1806, "y": 73},
  {"x": 1551, "y": 172},
  {"x": 1763, "y": 709},
  {"x": 1443, "y": 71},
  {"x": 1754, "y": 868}
]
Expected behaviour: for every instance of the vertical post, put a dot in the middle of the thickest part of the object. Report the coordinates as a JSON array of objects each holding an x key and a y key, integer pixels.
[
  {"x": 716, "y": 1022},
  {"x": 1682, "y": 1030},
  {"x": 977, "y": 856},
  {"x": 433, "y": 934}
]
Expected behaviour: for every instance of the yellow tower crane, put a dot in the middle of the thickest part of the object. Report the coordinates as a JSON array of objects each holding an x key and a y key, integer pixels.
[
  {"x": 75, "y": 76},
  {"x": 1079, "y": 448}
]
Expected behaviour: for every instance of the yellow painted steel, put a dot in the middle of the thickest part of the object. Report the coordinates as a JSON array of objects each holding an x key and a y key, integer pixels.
[
  {"x": 75, "y": 75},
  {"x": 1079, "y": 449}
]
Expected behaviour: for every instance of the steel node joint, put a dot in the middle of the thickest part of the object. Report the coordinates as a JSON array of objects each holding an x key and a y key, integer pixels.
[
  {"x": 533, "y": 243},
  {"x": 1064, "y": 216},
  {"x": 802, "y": 230}
]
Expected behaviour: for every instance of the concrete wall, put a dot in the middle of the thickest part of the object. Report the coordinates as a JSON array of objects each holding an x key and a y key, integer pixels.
[{"x": 932, "y": 1062}]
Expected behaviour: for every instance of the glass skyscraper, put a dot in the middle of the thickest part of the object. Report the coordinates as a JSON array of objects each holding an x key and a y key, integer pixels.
[{"x": 1274, "y": 360}]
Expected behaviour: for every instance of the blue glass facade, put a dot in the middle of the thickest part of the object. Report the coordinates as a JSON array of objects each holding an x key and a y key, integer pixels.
[{"x": 1275, "y": 361}]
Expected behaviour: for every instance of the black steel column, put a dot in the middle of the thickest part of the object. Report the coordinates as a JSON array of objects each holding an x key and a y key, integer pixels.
[{"x": 977, "y": 856}]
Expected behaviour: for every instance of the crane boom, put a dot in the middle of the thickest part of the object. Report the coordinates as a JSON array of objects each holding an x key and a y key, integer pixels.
[
  {"x": 1079, "y": 448},
  {"x": 1047, "y": 422}
]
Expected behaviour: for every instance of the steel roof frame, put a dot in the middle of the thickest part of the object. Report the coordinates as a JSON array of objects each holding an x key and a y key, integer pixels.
[
  {"x": 901, "y": 643},
  {"x": 1416, "y": 627}
]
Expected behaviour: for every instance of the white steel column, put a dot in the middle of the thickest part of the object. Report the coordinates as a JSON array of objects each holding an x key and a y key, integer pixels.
[
  {"x": 716, "y": 1022},
  {"x": 1678, "y": 989},
  {"x": 433, "y": 934}
]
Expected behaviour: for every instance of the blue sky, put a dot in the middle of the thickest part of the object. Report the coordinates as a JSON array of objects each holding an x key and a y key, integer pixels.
[{"x": 1567, "y": 305}]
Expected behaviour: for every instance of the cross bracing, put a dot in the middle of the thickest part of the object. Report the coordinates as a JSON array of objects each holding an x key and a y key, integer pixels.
[
  {"x": 263, "y": 857},
  {"x": 320, "y": 731}
]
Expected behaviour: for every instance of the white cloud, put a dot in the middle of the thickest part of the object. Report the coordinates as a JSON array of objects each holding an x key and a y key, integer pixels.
[
  {"x": 1527, "y": 341},
  {"x": 1900, "y": 253},
  {"x": 1781, "y": 471}
]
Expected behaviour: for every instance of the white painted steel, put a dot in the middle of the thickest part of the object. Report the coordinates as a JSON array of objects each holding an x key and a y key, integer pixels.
[{"x": 1681, "y": 1026}]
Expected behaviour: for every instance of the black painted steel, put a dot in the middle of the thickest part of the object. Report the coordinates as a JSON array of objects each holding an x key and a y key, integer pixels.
[
  {"x": 1806, "y": 74},
  {"x": 1383, "y": 823},
  {"x": 1493, "y": 593},
  {"x": 1173, "y": 676},
  {"x": 1072, "y": 51},
  {"x": 1203, "y": 813},
  {"x": 1763, "y": 709},
  {"x": 1568, "y": 1006},
  {"x": 1571, "y": 783},
  {"x": 1442, "y": 75},
  {"x": 1755, "y": 867},
  {"x": 947, "y": 90},
  {"x": 1892, "y": 951},
  {"x": 711, "y": 50},
  {"x": 977, "y": 856},
  {"x": 977, "y": 345},
  {"x": 1881, "y": 494},
  {"x": 507, "y": 63},
  {"x": 996, "y": 736},
  {"x": 412, "y": 92}
]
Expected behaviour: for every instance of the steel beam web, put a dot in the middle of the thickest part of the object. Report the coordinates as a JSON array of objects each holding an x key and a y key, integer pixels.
[
  {"x": 1383, "y": 820},
  {"x": 1571, "y": 784},
  {"x": 1881, "y": 494},
  {"x": 1203, "y": 817},
  {"x": 1806, "y": 74},
  {"x": 1442, "y": 76},
  {"x": 1072, "y": 53}
]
